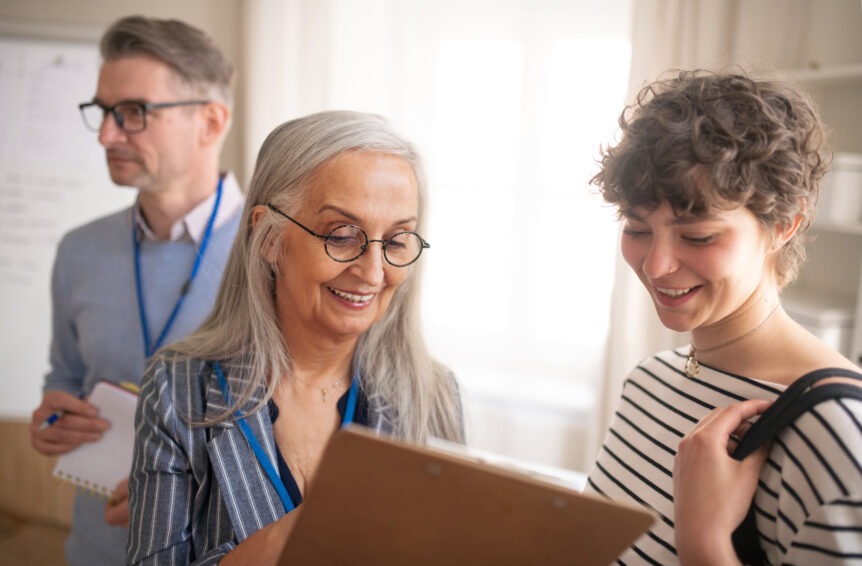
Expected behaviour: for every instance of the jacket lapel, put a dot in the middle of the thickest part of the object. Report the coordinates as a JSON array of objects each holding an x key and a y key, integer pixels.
[{"x": 249, "y": 497}]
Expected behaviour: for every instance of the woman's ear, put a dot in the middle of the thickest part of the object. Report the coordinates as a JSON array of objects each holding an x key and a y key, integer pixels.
[
  {"x": 268, "y": 249},
  {"x": 784, "y": 233},
  {"x": 256, "y": 214}
]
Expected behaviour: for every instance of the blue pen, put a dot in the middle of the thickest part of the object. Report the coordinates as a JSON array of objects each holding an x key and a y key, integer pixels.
[{"x": 54, "y": 417}]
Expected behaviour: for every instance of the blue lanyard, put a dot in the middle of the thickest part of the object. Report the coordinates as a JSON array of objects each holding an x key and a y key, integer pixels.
[
  {"x": 142, "y": 312},
  {"x": 257, "y": 449}
]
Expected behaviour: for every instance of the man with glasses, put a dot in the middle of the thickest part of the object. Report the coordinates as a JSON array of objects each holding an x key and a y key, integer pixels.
[{"x": 133, "y": 281}]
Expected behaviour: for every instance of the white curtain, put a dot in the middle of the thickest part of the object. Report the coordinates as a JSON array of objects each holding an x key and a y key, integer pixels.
[
  {"x": 758, "y": 35},
  {"x": 280, "y": 82}
]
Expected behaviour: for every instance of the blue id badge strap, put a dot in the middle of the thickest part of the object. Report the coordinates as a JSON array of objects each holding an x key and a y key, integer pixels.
[
  {"x": 255, "y": 446},
  {"x": 257, "y": 449},
  {"x": 352, "y": 396},
  {"x": 149, "y": 348}
]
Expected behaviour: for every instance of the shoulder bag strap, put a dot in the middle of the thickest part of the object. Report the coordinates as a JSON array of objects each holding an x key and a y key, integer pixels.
[
  {"x": 793, "y": 402},
  {"x": 797, "y": 399}
]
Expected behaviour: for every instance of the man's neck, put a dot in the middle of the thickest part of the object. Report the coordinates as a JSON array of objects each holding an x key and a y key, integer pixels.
[{"x": 163, "y": 208}]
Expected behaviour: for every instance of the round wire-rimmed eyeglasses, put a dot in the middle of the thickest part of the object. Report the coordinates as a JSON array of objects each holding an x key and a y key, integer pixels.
[{"x": 347, "y": 243}]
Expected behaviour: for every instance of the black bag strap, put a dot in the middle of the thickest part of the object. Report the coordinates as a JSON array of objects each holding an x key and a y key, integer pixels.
[{"x": 796, "y": 400}]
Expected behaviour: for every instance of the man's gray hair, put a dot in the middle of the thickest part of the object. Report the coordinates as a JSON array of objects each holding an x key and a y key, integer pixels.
[{"x": 190, "y": 52}]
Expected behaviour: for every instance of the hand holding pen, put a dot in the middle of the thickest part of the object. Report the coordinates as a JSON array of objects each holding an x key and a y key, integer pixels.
[
  {"x": 62, "y": 422},
  {"x": 54, "y": 417}
]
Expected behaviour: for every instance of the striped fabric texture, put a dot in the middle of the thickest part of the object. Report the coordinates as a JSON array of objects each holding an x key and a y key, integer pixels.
[
  {"x": 182, "y": 509},
  {"x": 809, "y": 499},
  {"x": 196, "y": 492}
]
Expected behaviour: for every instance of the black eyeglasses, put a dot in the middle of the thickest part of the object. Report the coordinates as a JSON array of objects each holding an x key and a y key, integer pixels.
[
  {"x": 130, "y": 115},
  {"x": 346, "y": 243}
]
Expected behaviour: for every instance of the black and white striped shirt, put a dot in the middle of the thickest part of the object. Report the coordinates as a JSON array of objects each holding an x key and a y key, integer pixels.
[{"x": 809, "y": 499}]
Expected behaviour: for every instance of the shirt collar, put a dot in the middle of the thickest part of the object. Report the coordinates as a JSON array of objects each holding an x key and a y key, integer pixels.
[{"x": 192, "y": 226}]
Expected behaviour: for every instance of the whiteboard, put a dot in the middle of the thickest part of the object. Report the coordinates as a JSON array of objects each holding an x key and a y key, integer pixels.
[{"x": 53, "y": 177}]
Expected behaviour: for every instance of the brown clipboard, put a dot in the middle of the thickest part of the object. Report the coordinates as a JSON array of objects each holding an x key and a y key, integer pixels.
[{"x": 375, "y": 500}]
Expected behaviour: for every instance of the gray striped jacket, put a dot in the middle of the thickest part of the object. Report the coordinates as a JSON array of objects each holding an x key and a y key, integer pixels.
[{"x": 196, "y": 492}]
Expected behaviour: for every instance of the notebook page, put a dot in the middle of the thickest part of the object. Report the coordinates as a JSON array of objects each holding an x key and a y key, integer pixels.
[{"x": 99, "y": 466}]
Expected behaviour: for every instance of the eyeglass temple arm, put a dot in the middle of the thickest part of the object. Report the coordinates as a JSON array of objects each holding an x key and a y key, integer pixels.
[
  {"x": 315, "y": 234},
  {"x": 158, "y": 105}
]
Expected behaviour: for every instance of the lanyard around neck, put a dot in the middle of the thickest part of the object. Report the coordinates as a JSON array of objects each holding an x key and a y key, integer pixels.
[
  {"x": 258, "y": 450},
  {"x": 149, "y": 348}
]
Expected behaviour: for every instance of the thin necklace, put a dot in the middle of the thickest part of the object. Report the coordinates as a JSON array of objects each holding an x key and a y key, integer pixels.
[
  {"x": 692, "y": 366},
  {"x": 337, "y": 385}
]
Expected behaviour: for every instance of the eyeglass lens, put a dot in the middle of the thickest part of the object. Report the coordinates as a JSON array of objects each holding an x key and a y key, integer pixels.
[
  {"x": 130, "y": 116},
  {"x": 347, "y": 243}
]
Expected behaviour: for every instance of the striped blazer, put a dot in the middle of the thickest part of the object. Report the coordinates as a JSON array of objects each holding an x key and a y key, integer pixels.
[{"x": 196, "y": 491}]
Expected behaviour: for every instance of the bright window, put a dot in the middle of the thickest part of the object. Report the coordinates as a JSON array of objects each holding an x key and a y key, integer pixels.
[{"x": 521, "y": 269}]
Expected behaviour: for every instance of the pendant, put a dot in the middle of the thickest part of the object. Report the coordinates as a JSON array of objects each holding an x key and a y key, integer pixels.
[
  {"x": 324, "y": 391},
  {"x": 692, "y": 368}
]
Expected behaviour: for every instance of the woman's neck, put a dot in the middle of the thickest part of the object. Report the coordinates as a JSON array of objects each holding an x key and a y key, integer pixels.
[
  {"x": 319, "y": 363},
  {"x": 739, "y": 326}
]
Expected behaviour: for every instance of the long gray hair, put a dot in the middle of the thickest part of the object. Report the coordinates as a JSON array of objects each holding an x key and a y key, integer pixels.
[{"x": 399, "y": 377}]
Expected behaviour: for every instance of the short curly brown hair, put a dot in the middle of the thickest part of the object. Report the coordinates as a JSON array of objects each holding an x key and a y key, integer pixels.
[{"x": 703, "y": 140}]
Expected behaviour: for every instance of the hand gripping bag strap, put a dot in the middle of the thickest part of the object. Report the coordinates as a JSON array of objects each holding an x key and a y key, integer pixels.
[{"x": 796, "y": 400}]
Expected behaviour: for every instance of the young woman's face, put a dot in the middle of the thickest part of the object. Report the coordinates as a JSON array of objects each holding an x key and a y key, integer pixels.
[
  {"x": 320, "y": 297},
  {"x": 698, "y": 269}
]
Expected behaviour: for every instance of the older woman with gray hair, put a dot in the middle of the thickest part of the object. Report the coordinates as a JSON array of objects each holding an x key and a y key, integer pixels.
[{"x": 316, "y": 325}]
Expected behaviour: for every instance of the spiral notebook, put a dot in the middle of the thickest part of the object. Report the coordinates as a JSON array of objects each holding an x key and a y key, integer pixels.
[
  {"x": 376, "y": 500},
  {"x": 99, "y": 466}
]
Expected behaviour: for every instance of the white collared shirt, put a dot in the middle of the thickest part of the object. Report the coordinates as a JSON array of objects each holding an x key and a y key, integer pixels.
[{"x": 193, "y": 225}]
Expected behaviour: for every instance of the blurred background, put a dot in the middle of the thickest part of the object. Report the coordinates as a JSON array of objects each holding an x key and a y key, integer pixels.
[{"x": 509, "y": 101}]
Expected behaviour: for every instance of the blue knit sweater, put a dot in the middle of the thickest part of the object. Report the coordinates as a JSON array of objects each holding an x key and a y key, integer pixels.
[{"x": 97, "y": 329}]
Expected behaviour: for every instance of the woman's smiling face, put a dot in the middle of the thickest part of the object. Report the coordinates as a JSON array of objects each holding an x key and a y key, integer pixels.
[
  {"x": 698, "y": 269},
  {"x": 327, "y": 300}
]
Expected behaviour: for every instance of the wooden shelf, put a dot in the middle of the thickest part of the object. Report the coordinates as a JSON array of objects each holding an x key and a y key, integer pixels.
[
  {"x": 824, "y": 314},
  {"x": 831, "y": 75},
  {"x": 851, "y": 228}
]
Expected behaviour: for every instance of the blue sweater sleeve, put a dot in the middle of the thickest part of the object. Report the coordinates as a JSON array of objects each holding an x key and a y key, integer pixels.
[{"x": 67, "y": 367}]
